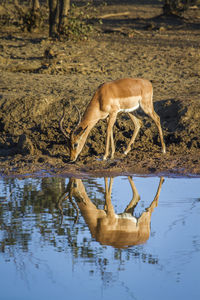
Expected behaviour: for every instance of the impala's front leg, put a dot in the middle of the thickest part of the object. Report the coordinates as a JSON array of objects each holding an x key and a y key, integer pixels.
[{"x": 109, "y": 136}]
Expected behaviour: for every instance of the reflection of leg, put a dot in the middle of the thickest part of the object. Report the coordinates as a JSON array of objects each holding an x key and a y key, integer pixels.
[
  {"x": 155, "y": 200},
  {"x": 145, "y": 219},
  {"x": 108, "y": 189},
  {"x": 108, "y": 207},
  {"x": 136, "y": 197},
  {"x": 137, "y": 123}
]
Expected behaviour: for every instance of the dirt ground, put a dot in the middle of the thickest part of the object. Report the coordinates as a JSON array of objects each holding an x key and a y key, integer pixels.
[{"x": 38, "y": 75}]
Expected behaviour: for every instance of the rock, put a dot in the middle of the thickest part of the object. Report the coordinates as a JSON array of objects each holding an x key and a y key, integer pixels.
[{"x": 25, "y": 145}]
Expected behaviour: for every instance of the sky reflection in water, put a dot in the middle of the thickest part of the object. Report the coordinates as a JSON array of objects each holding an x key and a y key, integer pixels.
[{"x": 46, "y": 256}]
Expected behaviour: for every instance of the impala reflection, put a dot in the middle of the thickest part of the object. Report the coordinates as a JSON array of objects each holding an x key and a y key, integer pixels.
[{"x": 107, "y": 227}]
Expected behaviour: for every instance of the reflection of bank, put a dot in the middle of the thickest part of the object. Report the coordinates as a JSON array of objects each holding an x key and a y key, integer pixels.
[{"x": 107, "y": 227}]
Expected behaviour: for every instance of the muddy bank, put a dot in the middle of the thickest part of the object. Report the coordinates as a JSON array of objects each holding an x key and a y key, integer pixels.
[
  {"x": 34, "y": 86},
  {"x": 31, "y": 140}
]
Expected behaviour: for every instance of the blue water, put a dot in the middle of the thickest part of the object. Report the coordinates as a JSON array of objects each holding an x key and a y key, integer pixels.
[{"x": 46, "y": 252}]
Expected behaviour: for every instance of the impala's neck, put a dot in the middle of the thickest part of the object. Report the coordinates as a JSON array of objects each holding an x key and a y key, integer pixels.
[
  {"x": 80, "y": 134},
  {"x": 88, "y": 210},
  {"x": 90, "y": 118},
  {"x": 86, "y": 126}
]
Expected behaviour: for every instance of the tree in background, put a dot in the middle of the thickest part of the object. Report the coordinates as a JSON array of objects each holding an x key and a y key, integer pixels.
[
  {"x": 30, "y": 18},
  {"x": 176, "y": 7},
  {"x": 36, "y": 13},
  {"x": 58, "y": 10},
  {"x": 35, "y": 5}
]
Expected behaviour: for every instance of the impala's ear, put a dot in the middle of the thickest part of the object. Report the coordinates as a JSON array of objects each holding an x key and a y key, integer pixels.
[{"x": 80, "y": 130}]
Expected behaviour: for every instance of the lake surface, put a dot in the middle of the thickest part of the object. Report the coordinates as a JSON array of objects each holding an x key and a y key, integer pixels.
[{"x": 57, "y": 245}]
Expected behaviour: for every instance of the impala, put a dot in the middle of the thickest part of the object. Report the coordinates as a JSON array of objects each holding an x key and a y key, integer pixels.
[
  {"x": 123, "y": 95},
  {"x": 107, "y": 227}
]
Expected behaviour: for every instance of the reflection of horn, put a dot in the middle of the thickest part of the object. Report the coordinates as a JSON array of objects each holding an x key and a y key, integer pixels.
[
  {"x": 60, "y": 208},
  {"x": 75, "y": 207},
  {"x": 67, "y": 195}
]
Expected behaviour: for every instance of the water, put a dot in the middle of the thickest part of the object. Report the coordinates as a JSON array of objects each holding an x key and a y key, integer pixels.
[{"x": 50, "y": 248}]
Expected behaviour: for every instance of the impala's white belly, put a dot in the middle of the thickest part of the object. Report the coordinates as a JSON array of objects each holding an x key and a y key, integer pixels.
[
  {"x": 129, "y": 104},
  {"x": 129, "y": 109},
  {"x": 127, "y": 216}
]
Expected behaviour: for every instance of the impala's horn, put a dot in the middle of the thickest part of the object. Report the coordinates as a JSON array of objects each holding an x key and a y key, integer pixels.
[
  {"x": 79, "y": 115},
  {"x": 66, "y": 132}
]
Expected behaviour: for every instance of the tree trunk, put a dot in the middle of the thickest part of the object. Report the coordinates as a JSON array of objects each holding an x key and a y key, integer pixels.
[
  {"x": 35, "y": 15},
  {"x": 64, "y": 8},
  {"x": 166, "y": 7},
  {"x": 35, "y": 5},
  {"x": 171, "y": 7},
  {"x": 53, "y": 17},
  {"x": 58, "y": 10}
]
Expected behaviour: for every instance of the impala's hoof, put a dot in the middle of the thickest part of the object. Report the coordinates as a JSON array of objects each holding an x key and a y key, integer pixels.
[{"x": 125, "y": 152}]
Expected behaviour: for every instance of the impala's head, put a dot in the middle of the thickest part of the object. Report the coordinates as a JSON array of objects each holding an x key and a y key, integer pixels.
[
  {"x": 76, "y": 188},
  {"x": 75, "y": 138},
  {"x": 77, "y": 141}
]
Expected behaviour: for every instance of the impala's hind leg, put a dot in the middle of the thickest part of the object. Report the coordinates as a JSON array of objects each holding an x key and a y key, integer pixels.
[
  {"x": 147, "y": 106},
  {"x": 156, "y": 119},
  {"x": 137, "y": 123}
]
